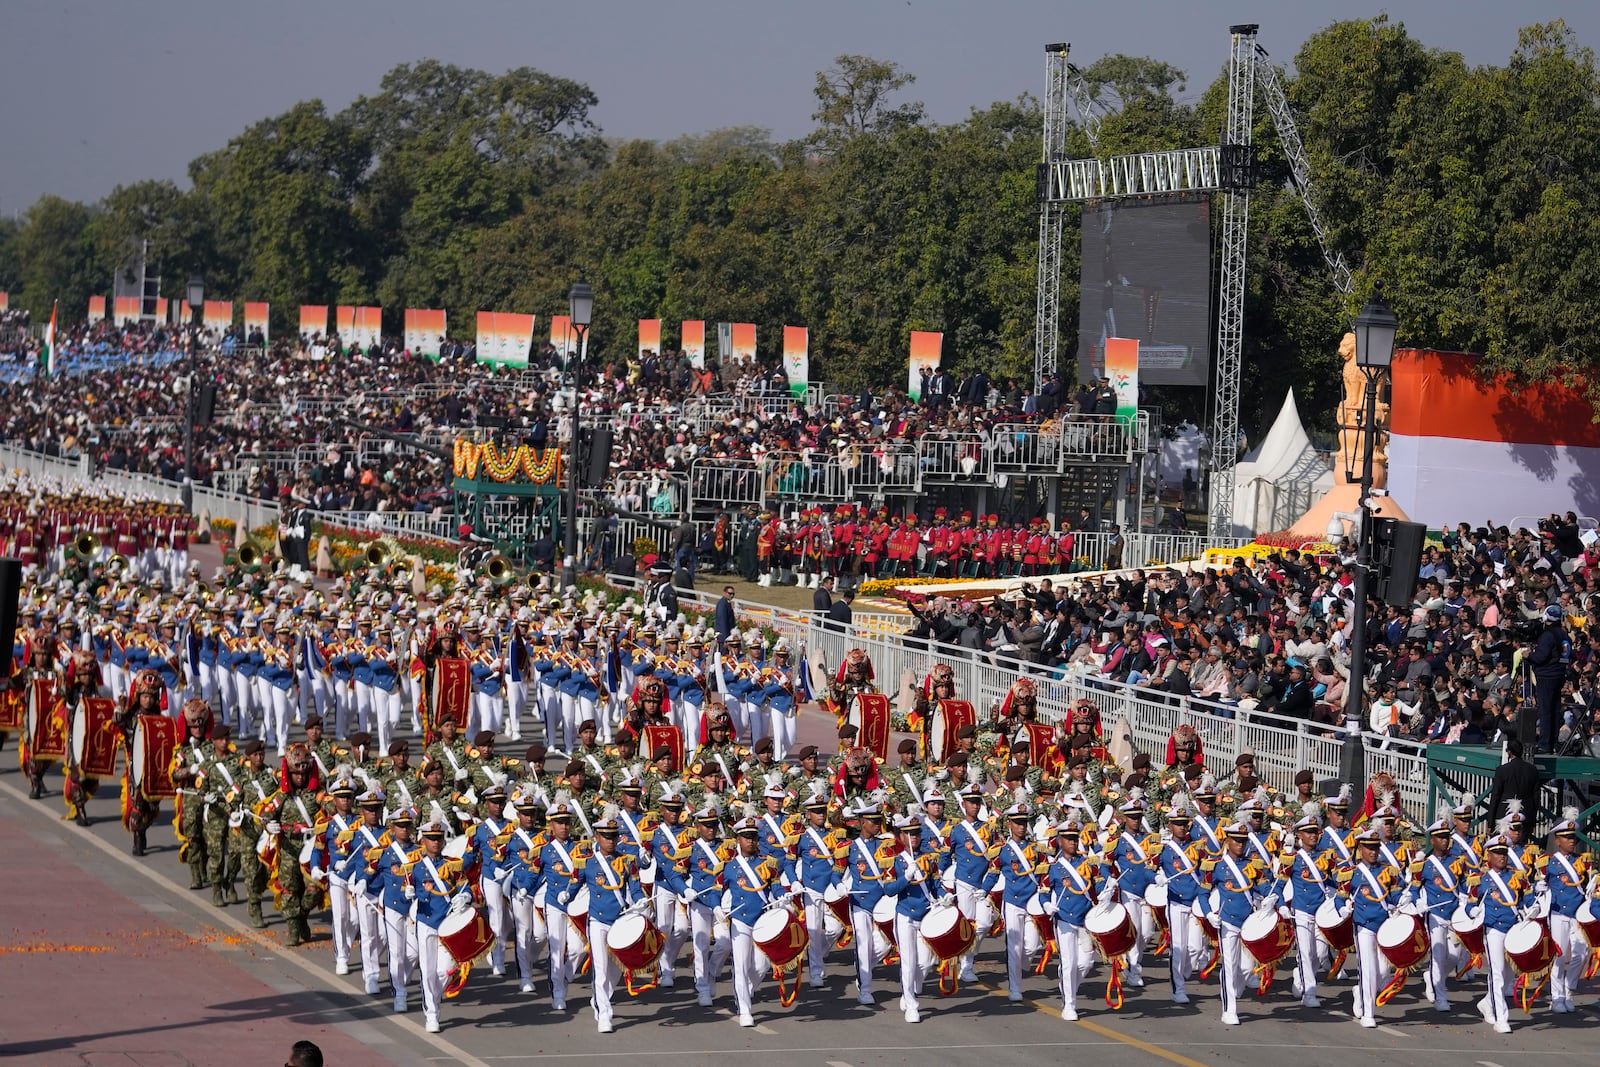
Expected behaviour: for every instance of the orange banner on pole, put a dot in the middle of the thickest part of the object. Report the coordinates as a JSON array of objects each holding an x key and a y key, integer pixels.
[
  {"x": 649, "y": 336},
  {"x": 926, "y": 347},
  {"x": 97, "y": 308},
  {"x": 125, "y": 310},
  {"x": 742, "y": 340},
  {"x": 257, "y": 317},
  {"x": 313, "y": 319},
  {"x": 797, "y": 359},
  {"x": 562, "y": 335},
  {"x": 218, "y": 315},
  {"x": 161, "y": 308},
  {"x": 5, "y": 300},
  {"x": 425, "y": 331},
  {"x": 1122, "y": 367},
  {"x": 694, "y": 341}
]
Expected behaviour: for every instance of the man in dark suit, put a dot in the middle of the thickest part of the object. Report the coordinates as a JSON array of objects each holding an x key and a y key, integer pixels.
[
  {"x": 822, "y": 597},
  {"x": 1515, "y": 779},
  {"x": 839, "y": 615},
  {"x": 725, "y": 621}
]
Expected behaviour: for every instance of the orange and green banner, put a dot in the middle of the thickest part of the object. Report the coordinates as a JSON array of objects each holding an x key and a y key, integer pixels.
[
  {"x": 97, "y": 308},
  {"x": 125, "y": 310},
  {"x": 926, "y": 346},
  {"x": 694, "y": 341},
  {"x": 1122, "y": 367},
  {"x": 161, "y": 308},
  {"x": 358, "y": 325},
  {"x": 742, "y": 340},
  {"x": 796, "y": 359},
  {"x": 425, "y": 331},
  {"x": 218, "y": 315},
  {"x": 562, "y": 335},
  {"x": 505, "y": 337},
  {"x": 313, "y": 319},
  {"x": 256, "y": 317},
  {"x": 5, "y": 300},
  {"x": 649, "y": 337}
]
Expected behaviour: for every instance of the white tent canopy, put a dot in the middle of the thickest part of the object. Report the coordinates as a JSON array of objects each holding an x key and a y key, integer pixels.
[{"x": 1275, "y": 484}]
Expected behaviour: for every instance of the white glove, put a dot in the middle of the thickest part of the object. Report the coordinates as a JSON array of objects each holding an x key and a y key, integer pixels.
[
  {"x": 462, "y": 899},
  {"x": 1407, "y": 898},
  {"x": 1106, "y": 895},
  {"x": 360, "y": 887},
  {"x": 1049, "y": 907},
  {"x": 274, "y": 828},
  {"x": 687, "y": 897},
  {"x": 1284, "y": 912},
  {"x": 563, "y": 897},
  {"x": 1540, "y": 886},
  {"x": 1161, "y": 878},
  {"x": 1346, "y": 911},
  {"x": 1531, "y": 911},
  {"x": 235, "y": 820},
  {"x": 519, "y": 894},
  {"x": 1463, "y": 901},
  {"x": 720, "y": 915},
  {"x": 411, "y": 891},
  {"x": 1214, "y": 918},
  {"x": 1271, "y": 902},
  {"x": 318, "y": 874},
  {"x": 461, "y": 775}
]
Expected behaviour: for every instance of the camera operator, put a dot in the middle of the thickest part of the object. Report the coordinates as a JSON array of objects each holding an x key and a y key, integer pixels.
[{"x": 1548, "y": 660}]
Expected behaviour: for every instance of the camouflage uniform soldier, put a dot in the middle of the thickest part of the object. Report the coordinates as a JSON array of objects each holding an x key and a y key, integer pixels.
[
  {"x": 189, "y": 764},
  {"x": 256, "y": 787},
  {"x": 296, "y": 819},
  {"x": 219, "y": 776}
]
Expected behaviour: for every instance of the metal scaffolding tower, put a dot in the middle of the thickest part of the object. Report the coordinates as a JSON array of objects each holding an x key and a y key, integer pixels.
[{"x": 1052, "y": 215}]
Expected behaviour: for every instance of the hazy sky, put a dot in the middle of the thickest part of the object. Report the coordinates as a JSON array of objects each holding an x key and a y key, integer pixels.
[{"x": 101, "y": 93}]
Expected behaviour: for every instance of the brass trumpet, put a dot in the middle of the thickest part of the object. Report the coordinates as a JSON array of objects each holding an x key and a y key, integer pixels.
[
  {"x": 86, "y": 547},
  {"x": 118, "y": 564},
  {"x": 498, "y": 569},
  {"x": 382, "y": 552},
  {"x": 251, "y": 554}
]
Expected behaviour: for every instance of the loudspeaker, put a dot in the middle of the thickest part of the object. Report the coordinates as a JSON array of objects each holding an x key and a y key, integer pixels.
[
  {"x": 10, "y": 594},
  {"x": 597, "y": 464},
  {"x": 1528, "y": 727},
  {"x": 1397, "y": 557},
  {"x": 205, "y": 404}
]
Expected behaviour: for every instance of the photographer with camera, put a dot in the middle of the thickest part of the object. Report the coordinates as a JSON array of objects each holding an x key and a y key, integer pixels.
[{"x": 1548, "y": 659}]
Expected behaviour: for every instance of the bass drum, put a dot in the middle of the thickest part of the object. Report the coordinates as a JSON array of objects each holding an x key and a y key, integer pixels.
[
  {"x": 948, "y": 933},
  {"x": 1338, "y": 931},
  {"x": 1403, "y": 940},
  {"x": 1112, "y": 928},
  {"x": 1156, "y": 898},
  {"x": 1468, "y": 929},
  {"x": 635, "y": 941},
  {"x": 1040, "y": 930},
  {"x": 1268, "y": 936},
  {"x": 836, "y": 911},
  {"x": 780, "y": 935},
  {"x": 466, "y": 935},
  {"x": 1529, "y": 947}
]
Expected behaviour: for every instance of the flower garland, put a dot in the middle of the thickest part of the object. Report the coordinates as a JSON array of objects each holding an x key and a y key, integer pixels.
[{"x": 516, "y": 463}]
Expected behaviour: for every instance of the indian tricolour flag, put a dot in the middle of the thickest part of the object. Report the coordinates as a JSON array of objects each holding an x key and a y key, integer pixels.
[{"x": 48, "y": 356}]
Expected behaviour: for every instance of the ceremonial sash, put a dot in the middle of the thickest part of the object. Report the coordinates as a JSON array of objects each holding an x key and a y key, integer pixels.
[
  {"x": 872, "y": 862},
  {"x": 1240, "y": 880},
  {"x": 566, "y": 857},
  {"x": 1445, "y": 876},
  {"x": 1078, "y": 881},
  {"x": 433, "y": 872},
  {"x": 1572, "y": 872},
  {"x": 1378, "y": 892},
  {"x": 1509, "y": 899},
  {"x": 1188, "y": 864},
  {"x": 1312, "y": 873}
]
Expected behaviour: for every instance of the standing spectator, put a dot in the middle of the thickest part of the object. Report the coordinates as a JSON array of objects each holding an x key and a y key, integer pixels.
[
  {"x": 822, "y": 598},
  {"x": 1515, "y": 779}
]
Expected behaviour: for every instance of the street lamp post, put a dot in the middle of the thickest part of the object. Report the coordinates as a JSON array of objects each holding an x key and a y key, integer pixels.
[
  {"x": 197, "y": 300},
  {"x": 1375, "y": 330},
  {"x": 581, "y": 309}
]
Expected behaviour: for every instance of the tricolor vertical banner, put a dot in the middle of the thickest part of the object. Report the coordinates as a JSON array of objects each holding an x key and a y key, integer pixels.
[
  {"x": 313, "y": 319},
  {"x": 358, "y": 325},
  {"x": 742, "y": 340},
  {"x": 219, "y": 315},
  {"x": 97, "y": 308},
  {"x": 5, "y": 300},
  {"x": 926, "y": 347},
  {"x": 649, "y": 337},
  {"x": 694, "y": 342},
  {"x": 256, "y": 317},
  {"x": 126, "y": 310},
  {"x": 562, "y": 335},
  {"x": 514, "y": 336},
  {"x": 797, "y": 359},
  {"x": 425, "y": 329},
  {"x": 161, "y": 308},
  {"x": 1122, "y": 367}
]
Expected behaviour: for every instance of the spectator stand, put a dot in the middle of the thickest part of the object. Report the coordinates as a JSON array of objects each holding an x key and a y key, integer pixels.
[
  {"x": 1459, "y": 771},
  {"x": 509, "y": 493}
]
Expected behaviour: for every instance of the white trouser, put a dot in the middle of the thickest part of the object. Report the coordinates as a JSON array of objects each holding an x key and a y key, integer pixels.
[
  {"x": 517, "y": 699},
  {"x": 1070, "y": 946},
  {"x": 554, "y": 717},
  {"x": 709, "y": 957},
  {"x": 487, "y": 709},
  {"x": 385, "y": 715},
  {"x": 1494, "y": 958},
  {"x": 745, "y": 973},
  {"x": 1568, "y": 967},
  {"x": 494, "y": 902},
  {"x": 1440, "y": 952},
  {"x": 274, "y": 714},
  {"x": 967, "y": 898},
  {"x": 314, "y": 695},
  {"x": 530, "y": 932},
  {"x": 561, "y": 933},
  {"x": 241, "y": 693},
  {"x": 672, "y": 930},
  {"x": 1017, "y": 921},
  {"x": 1370, "y": 980},
  {"x": 1144, "y": 924},
  {"x": 402, "y": 936},
  {"x": 362, "y": 693},
  {"x": 1183, "y": 932},
  {"x": 914, "y": 960},
  {"x": 1309, "y": 950},
  {"x": 757, "y": 721},
  {"x": 689, "y": 715},
  {"x": 116, "y": 681},
  {"x": 1232, "y": 959},
  {"x": 344, "y": 707},
  {"x": 605, "y": 970},
  {"x": 343, "y": 919},
  {"x": 739, "y": 715},
  {"x": 434, "y": 961},
  {"x": 413, "y": 686},
  {"x": 370, "y": 925},
  {"x": 862, "y": 927},
  {"x": 571, "y": 719},
  {"x": 817, "y": 929},
  {"x": 208, "y": 683},
  {"x": 783, "y": 728}
]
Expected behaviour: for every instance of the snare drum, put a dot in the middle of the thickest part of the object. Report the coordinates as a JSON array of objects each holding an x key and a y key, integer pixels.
[
  {"x": 1112, "y": 929},
  {"x": 466, "y": 935},
  {"x": 1042, "y": 928},
  {"x": 1468, "y": 930},
  {"x": 781, "y": 936},
  {"x": 1339, "y": 932},
  {"x": 578, "y": 912},
  {"x": 836, "y": 911},
  {"x": 1589, "y": 923},
  {"x": 1403, "y": 940},
  {"x": 1529, "y": 947},
  {"x": 948, "y": 932},
  {"x": 635, "y": 941},
  {"x": 1156, "y": 897},
  {"x": 155, "y": 739},
  {"x": 883, "y": 917},
  {"x": 1268, "y": 936}
]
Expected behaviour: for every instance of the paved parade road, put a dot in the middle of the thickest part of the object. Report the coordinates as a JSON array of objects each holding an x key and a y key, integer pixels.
[{"x": 107, "y": 959}]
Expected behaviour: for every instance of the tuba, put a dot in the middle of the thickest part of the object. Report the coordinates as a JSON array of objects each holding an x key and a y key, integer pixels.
[
  {"x": 86, "y": 547},
  {"x": 117, "y": 565},
  {"x": 251, "y": 554},
  {"x": 381, "y": 553},
  {"x": 497, "y": 569}
]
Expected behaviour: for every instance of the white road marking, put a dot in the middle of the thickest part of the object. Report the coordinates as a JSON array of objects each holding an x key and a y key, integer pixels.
[
  {"x": 837, "y": 1063},
  {"x": 763, "y": 1028},
  {"x": 321, "y": 977}
]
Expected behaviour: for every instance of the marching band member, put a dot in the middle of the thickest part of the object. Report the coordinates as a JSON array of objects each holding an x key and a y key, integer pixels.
[
  {"x": 1568, "y": 877},
  {"x": 391, "y": 866},
  {"x": 385, "y": 686},
  {"x": 561, "y": 861},
  {"x": 1136, "y": 854},
  {"x": 1180, "y": 874},
  {"x": 778, "y": 694},
  {"x": 707, "y": 859},
  {"x": 1372, "y": 893},
  {"x": 869, "y": 856},
  {"x": 436, "y": 886},
  {"x": 914, "y": 879},
  {"x": 189, "y": 761},
  {"x": 1019, "y": 864},
  {"x": 972, "y": 855},
  {"x": 753, "y": 887},
  {"x": 367, "y": 839},
  {"x": 1239, "y": 884},
  {"x": 489, "y": 838},
  {"x": 669, "y": 850},
  {"x": 1074, "y": 884},
  {"x": 1305, "y": 884},
  {"x": 612, "y": 878},
  {"x": 526, "y": 883},
  {"x": 1502, "y": 900},
  {"x": 1440, "y": 876},
  {"x": 294, "y": 816},
  {"x": 334, "y": 844},
  {"x": 820, "y": 854}
]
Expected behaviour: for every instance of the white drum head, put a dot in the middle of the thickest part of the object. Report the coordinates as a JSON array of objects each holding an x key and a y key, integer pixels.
[
  {"x": 836, "y": 892},
  {"x": 579, "y": 904},
  {"x": 1522, "y": 937},
  {"x": 628, "y": 930},
  {"x": 1328, "y": 915},
  {"x": 1104, "y": 918},
  {"x": 883, "y": 910},
  {"x": 457, "y": 920},
  {"x": 939, "y": 921},
  {"x": 1156, "y": 896},
  {"x": 1035, "y": 905},
  {"x": 770, "y": 924},
  {"x": 1463, "y": 921},
  {"x": 1396, "y": 930},
  {"x": 1258, "y": 925}
]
